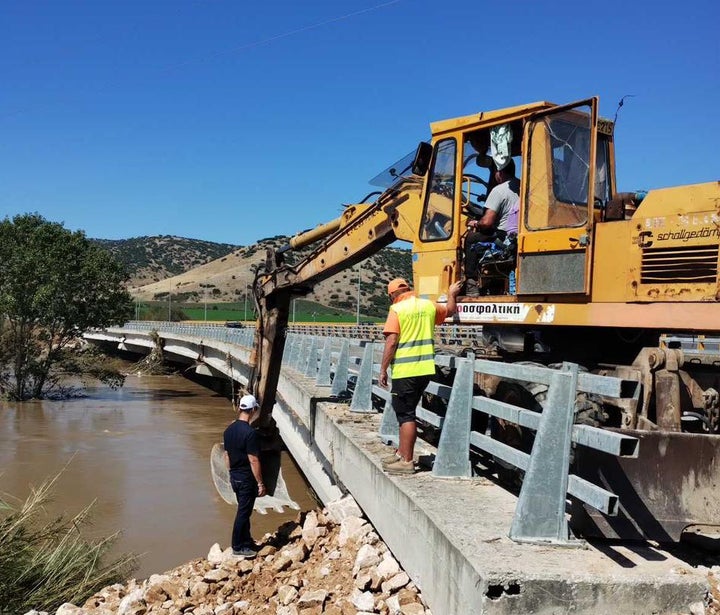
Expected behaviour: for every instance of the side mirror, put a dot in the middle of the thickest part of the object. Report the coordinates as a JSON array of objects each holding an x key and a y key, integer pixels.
[{"x": 422, "y": 158}]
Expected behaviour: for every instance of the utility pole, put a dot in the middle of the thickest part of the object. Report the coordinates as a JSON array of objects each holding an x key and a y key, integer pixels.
[
  {"x": 205, "y": 298},
  {"x": 246, "y": 294},
  {"x": 358, "y": 297}
]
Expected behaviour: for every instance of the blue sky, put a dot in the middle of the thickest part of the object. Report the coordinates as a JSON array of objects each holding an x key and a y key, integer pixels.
[{"x": 231, "y": 121}]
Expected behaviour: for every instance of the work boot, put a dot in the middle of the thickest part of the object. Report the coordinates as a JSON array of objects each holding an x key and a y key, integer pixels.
[
  {"x": 472, "y": 288},
  {"x": 391, "y": 458},
  {"x": 245, "y": 552},
  {"x": 400, "y": 467}
]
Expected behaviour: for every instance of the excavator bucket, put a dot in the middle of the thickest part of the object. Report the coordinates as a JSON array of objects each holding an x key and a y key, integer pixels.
[
  {"x": 670, "y": 487},
  {"x": 277, "y": 497}
]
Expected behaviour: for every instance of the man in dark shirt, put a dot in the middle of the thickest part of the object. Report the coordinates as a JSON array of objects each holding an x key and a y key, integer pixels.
[{"x": 242, "y": 450}]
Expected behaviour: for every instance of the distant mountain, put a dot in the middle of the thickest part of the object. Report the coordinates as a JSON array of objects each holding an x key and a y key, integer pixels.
[
  {"x": 151, "y": 259},
  {"x": 228, "y": 276}
]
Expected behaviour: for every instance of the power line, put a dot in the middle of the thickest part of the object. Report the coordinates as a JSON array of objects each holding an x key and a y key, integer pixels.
[{"x": 265, "y": 41}]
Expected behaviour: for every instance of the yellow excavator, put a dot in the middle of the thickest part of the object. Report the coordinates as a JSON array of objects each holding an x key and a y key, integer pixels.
[{"x": 625, "y": 284}]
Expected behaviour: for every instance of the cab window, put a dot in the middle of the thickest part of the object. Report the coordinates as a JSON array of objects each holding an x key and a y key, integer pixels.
[
  {"x": 559, "y": 155},
  {"x": 437, "y": 218}
]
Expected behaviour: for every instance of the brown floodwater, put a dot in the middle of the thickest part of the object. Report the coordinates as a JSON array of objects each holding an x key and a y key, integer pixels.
[{"x": 143, "y": 454}]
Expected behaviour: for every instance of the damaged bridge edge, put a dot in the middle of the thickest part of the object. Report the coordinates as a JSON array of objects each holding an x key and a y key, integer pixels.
[{"x": 334, "y": 463}]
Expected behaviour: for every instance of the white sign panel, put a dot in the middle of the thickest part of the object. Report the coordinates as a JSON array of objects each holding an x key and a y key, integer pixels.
[{"x": 492, "y": 312}]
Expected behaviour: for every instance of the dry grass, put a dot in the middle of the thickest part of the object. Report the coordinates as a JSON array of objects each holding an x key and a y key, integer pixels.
[{"x": 44, "y": 563}]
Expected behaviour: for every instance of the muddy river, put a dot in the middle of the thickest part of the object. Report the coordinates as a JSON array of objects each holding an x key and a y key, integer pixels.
[{"x": 143, "y": 454}]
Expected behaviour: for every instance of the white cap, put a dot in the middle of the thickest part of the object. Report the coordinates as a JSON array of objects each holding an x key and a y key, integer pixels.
[{"x": 247, "y": 402}]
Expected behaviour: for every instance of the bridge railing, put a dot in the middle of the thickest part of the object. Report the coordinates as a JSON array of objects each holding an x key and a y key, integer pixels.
[
  {"x": 350, "y": 367},
  {"x": 446, "y": 334},
  {"x": 353, "y": 367}
]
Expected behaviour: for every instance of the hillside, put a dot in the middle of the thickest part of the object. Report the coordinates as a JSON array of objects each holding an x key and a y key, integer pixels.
[
  {"x": 151, "y": 259},
  {"x": 228, "y": 278},
  {"x": 196, "y": 270}
]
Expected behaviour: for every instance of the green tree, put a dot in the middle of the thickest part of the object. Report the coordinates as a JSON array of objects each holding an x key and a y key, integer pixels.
[{"x": 54, "y": 284}]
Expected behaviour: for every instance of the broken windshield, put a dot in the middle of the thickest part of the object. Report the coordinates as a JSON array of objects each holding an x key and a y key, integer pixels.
[{"x": 402, "y": 168}]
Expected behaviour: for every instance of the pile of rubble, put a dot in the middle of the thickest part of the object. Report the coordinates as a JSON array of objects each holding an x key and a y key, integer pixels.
[{"x": 330, "y": 561}]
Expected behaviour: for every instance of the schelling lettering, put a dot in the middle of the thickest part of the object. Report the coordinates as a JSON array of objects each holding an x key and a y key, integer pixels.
[{"x": 683, "y": 235}]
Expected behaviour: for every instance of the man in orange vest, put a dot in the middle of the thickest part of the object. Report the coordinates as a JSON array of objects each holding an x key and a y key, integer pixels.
[{"x": 409, "y": 332}]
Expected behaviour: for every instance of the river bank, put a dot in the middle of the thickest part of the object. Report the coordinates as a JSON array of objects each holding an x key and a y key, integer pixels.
[{"x": 328, "y": 561}]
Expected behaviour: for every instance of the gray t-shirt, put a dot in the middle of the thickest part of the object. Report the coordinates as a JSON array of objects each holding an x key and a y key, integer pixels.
[{"x": 504, "y": 200}]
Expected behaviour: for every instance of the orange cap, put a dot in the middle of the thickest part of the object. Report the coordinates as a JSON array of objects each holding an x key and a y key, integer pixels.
[{"x": 397, "y": 284}]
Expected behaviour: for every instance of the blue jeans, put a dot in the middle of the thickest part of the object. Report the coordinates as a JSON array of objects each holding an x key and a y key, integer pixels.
[{"x": 246, "y": 491}]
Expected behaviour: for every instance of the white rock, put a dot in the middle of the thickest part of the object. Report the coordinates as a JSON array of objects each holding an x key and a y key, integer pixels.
[
  {"x": 312, "y": 598},
  {"x": 394, "y": 583},
  {"x": 362, "y": 581},
  {"x": 367, "y": 556},
  {"x": 363, "y": 601},
  {"x": 371, "y": 538},
  {"x": 286, "y": 594},
  {"x": 388, "y": 567},
  {"x": 241, "y": 605},
  {"x": 393, "y": 605},
  {"x": 156, "y": 579},
  {"x": 343, "y": 508},
  {"x": 290, "y": 609},
  {"x": 216, "y": 575},
  {"x": 334, "y": 555},
  {"x": 324, "y": 571},
  {"x": 310, "y": 535},
  {"x": 221, "y": 609},
  {"x": 131, "y": 602},
  {"x": 215, "y": 555},
  {"x": 352, "y": 528},
  {"x": 697, "y": 608},
  {"x": 311, "y": 521},
  {"x": 69, "y": 609}
]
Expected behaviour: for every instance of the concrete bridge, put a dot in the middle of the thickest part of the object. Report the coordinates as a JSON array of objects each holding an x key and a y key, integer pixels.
[{"x": 468, "y": 544}]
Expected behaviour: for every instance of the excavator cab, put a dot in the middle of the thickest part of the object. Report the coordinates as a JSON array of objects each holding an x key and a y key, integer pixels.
[{"x": 561, "y": 196}]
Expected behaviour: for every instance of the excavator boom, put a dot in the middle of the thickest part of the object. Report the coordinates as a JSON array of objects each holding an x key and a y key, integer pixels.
[{"x": 361, "y": 231}]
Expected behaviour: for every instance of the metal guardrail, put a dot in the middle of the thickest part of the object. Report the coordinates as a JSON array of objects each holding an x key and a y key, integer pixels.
[
  {"x": 447, "y": 334},
  {"x": 350, "y": 368},
  {"x": 540, "y": 512}
]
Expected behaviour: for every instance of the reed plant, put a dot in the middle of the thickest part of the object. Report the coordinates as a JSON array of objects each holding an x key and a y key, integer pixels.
[{"x": 45, "y": 562}]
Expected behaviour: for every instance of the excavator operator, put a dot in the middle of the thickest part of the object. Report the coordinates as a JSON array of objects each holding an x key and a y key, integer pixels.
[{"x": 498, "y": 222}]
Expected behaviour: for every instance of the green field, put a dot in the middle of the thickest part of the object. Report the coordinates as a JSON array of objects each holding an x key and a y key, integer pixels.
[{"x": 305, "y": 311}]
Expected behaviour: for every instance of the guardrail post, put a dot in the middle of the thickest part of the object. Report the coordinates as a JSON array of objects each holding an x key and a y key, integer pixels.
[
  {"x": 302, "y": 350},
  {"x": 297, "y": 343},
  {"x": 311, "y": 367},
  {"x": 389, "y": 427},
  {"x": 339, "y": 383},
  {"x": 540, "y": 511},
  {"x": 362, "y": 395},
  {"x": 323, "y": 377},
  {"x": 290, "y": 343},
  {"x": 453, "y": 458}
]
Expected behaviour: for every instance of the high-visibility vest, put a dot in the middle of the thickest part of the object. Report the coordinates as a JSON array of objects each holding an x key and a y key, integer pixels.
[{"x": 415, "y": 354}]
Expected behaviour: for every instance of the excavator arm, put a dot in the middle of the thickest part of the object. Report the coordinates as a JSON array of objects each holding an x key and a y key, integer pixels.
[{"x": 361, "y": 231}]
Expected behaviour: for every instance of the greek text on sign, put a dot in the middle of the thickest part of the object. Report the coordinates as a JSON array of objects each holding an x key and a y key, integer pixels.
[{"x": 492, "y": 312}]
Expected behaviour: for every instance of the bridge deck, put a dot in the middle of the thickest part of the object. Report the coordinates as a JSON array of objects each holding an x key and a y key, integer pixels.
[{"x": 450, "y": 535}]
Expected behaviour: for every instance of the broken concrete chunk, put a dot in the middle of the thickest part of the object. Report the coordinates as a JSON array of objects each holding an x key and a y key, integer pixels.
[
  {"x": 367, "y": 556},
  {"x": 312, "y": 599}
]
